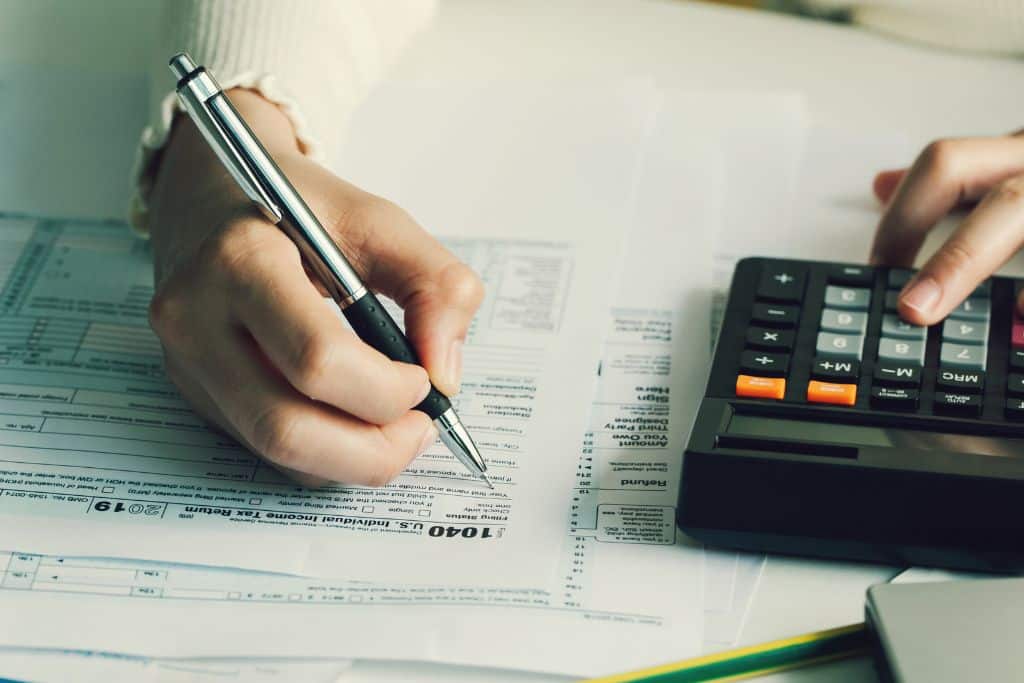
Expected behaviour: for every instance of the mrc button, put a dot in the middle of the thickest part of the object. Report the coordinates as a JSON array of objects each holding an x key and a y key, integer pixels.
[{"x": 960, "y": 381}]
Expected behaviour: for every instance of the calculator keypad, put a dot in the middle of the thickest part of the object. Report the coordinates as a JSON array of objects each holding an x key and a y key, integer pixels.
[{"x": 905, "y": 368}]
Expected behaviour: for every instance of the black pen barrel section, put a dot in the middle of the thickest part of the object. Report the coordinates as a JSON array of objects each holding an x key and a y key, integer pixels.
[{"x": 375, "y": 326}]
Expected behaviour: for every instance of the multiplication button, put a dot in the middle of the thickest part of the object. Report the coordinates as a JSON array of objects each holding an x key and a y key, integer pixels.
[{"x": 770, "y": 339}]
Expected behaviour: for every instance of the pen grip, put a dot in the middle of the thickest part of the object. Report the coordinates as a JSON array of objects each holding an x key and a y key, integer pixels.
[{"x": 375, "y": 326}]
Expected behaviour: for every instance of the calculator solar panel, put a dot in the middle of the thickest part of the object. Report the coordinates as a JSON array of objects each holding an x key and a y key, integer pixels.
[{"x": 832, "y": 428}]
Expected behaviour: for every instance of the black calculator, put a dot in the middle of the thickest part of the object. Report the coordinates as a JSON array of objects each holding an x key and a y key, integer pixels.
[{"x": 832, "y": 428}]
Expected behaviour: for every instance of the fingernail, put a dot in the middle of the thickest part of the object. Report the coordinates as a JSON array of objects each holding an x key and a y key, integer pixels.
[
  {"x": 429, "y": 437},
  {"x": 453, "y": 364},
  {"x": 922, "y": 295}
]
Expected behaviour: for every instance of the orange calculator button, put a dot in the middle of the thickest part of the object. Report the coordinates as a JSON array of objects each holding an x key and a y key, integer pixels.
[
  {"x": 828, "y": 392},
  {"x": 760, "y": 387}
]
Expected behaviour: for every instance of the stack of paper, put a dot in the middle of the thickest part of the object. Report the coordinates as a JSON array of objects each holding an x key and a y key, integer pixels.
[{"x": 593, "y": 214}]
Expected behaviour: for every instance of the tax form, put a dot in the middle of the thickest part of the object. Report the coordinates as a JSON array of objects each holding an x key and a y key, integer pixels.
[
  {"x": 99, "y": 456},
  {"x": 625, "y": 577}
]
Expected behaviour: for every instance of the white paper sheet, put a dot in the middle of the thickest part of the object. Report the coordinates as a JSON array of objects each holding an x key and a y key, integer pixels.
[
  {"x": 50, "y": 666},
  {"x": 624, "y": 579}
]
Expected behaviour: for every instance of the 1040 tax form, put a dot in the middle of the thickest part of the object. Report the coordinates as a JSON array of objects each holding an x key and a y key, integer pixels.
[{"x": 99, "y": 456}]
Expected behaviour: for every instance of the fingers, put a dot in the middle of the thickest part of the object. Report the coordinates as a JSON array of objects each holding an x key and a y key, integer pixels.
[
  {"x": 439, "y": 293},
  {"x": 986, "y": 239},
  {"x": 305, "y": 339},
  {"x": 303, "y": 436},
  {"x": 946, "y": 173},
  {"x": 886, "y": 182}
]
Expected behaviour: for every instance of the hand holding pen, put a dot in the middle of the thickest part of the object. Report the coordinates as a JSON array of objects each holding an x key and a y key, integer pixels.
[{"x": 249, "y": 339}]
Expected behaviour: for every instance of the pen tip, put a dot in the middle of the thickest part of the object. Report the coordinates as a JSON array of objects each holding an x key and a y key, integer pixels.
[{"x": 487, "y": 481}]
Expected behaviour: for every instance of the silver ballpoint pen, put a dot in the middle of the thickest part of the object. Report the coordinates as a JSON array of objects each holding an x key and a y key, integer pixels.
[{"x": 262, "y": 181}]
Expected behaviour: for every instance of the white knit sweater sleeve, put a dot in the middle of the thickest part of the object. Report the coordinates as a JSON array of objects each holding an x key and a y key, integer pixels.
[
  {"x": 995, "y": 26},
  {"x": 315, "y": 58}
]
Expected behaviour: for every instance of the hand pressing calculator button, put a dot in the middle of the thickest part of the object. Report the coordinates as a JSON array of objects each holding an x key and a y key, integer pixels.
[{"x": 831, "y": 427}]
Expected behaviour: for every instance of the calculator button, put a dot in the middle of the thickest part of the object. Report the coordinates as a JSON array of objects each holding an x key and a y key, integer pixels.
[
  {"x": 960, "y": 381},
  {"x": 830, "y": 392},
  {"x": 842, "y": 346},
  {"x": 781, "y": 282},
  {"x": 775, "y": 315},
  {"x": 836, "y": 369},
  {"x": 894, "y": 398},
  {"x": 898, "y": 278},
  {"x": 762, "y": 338},
  {"x": 749, "y": 386},
  {"x": 892, "y": 301},
  {"x": 862, "y": 276},
  {"x": 1017, "y": 359},
  {"x": 965, "y": 331},
  {"x": 901, "y": 351},
  {"x": 1015, "y": 408},
  {"x": 974, "y": 308},
  {"x": 961, "y": 404},
  {"x": 1015, "y": 384},
  {"x": 1017, "y": 333},
  {"x": 897, "y": 375},
  {"x": 844, "y": 322},
  {"x": 962, "y": 356},
  {"x": 764, "y": 363},
  {"x": 896, "y": 328},
  {"x": 983, "y": 290},
  {"x": 853, "y": 298}
]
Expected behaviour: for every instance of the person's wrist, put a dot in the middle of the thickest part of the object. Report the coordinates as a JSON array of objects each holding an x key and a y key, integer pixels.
[{"x": 193, "y": 193}]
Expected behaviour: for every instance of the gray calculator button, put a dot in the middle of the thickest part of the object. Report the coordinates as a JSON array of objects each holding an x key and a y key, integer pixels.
[
  {"x": 892, "y": 298},
  {"x": 901, "y": 350},
  {"x": 974, "y": 308},
  {"x": 896, "y": 328},
  {"x": 983, "y": 290},
  {"x": 852, "y": 298},
  {"x": 962, "y": 356},
  {"x": 965, "y": 331},
  {"x": 842, "y": 346},
  {"x": 844, "y": 322},
  {"x": 898, "y": 278}
]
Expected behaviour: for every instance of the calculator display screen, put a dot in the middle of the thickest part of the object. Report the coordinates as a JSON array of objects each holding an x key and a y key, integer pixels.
[{"x": 859, "y": 435}]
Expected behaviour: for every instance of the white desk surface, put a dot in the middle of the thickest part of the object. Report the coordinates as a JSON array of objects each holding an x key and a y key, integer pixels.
[{"x": 851, "y": 79}]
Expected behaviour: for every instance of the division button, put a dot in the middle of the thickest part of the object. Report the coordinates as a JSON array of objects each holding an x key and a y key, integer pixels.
[
  {"x": 965, "y": 331},
  {"x": 901, "y": 351},
  {"x": 762, "y": 338},
  {"x": 1015, "y": 408},
  {"x": 748, "y": 386},
  {"x": 857, "y": 276},
  {"x": 844, "y": 322},
  {"x": 1015, "y": 384},
  {"x": 898, "y": 278},
  {"x": 775, "y": 315},
  {"x": 960, "y": 381},
  {"x": 897, "y": 375},
  {"x": 841, "y": 346},
  {"x": 894, "y": 398},
  {"x": 782, "y": 282},
  {"x": 829, "y": 392},
  {"x": 829, "y": 369},
  {"x": 961, "y": 404},
  {"x": 764, "y": 363},
  {"x": 974, "y": 308},
  {"x": 851, "y": 298},
  {"x": 964, "y": 356},
  {"x": 895, "y": 327}
]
